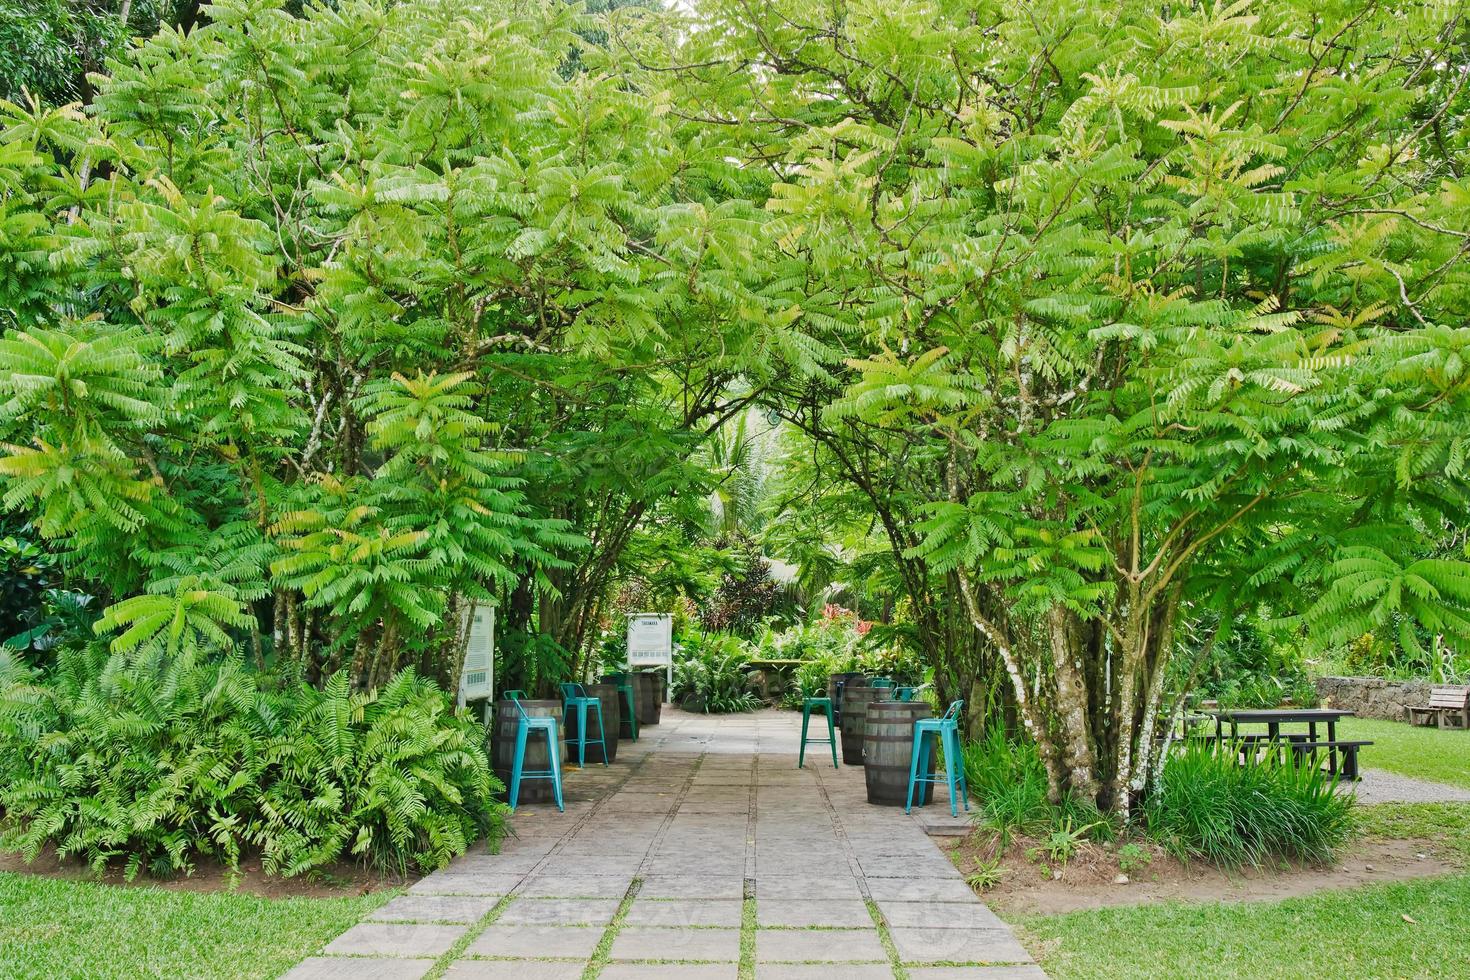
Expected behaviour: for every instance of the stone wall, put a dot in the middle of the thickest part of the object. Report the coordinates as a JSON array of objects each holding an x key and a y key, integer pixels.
[{"x": 1372, "y": 697}]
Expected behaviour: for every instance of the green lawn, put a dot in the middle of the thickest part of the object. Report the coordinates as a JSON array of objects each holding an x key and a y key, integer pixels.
[
  {"x": 1425, "y": 753},
  {"x": 63, "y": 929},
  {"x": 1359, "y": 932},
  {"x": 1447, "y": 824}
]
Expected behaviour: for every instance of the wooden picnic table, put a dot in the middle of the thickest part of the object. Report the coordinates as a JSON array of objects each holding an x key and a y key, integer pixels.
[{"x": 1302, "y": 744}]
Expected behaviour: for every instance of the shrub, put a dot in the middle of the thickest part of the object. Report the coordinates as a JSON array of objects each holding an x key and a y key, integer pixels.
[
  {"x": 834, "y": 643},
  {"x": 747, "y": 595},
  {"x": 1210, "y": 806},
  {"x": 709, "y": 675},
  {"x": 809, "y": 680},
  {"x": 26, "y": 572},
  {"x": 1251, "y": 663},
  {"x": 159, "y": 763},
  {"x": 824, "y": 638},
  {"x": 897, "y": 664},
  {"x": 533, "y": 661},
  {"x": 36, "y": 614}
]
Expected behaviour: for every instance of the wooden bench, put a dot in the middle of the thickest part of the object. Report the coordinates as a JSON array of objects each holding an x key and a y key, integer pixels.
[
  {"x": 1448, "y": 707},
  {"x": 1348, "y": 750}
]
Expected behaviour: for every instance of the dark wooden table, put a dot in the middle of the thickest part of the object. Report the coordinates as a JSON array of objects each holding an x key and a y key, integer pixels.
[{"x": 1274, "y": 718}]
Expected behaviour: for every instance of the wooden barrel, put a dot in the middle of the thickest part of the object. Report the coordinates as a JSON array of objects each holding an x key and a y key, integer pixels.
[
  {"x": 503, "y": 747},
  {"x": 835, "y": 684},
  {"x": 855, "y": 701},
  {"x": 888, "y": 749},
  {"x": 648, "y": 695},
  {"x": 607, "y": 695},
  {"x": 625, "y": 717}
]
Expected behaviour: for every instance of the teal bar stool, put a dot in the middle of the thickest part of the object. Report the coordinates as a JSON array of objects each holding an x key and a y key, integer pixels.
[
  {"x": 903, "y": 693},
  {"x": 553, "y": 749},
  {"x": 947, "y": 731},
  {"x": 624, "y": 683},
  {"x": 574, "y": 698},
  {"x": 824, "y": 705},
  {"x": 880, "y": 682}
]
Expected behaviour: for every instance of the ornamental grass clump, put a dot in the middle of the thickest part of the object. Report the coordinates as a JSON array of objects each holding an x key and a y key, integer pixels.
[
  {"x": 1207, "y": 805},
  {"x": 1008, "y": 781}
]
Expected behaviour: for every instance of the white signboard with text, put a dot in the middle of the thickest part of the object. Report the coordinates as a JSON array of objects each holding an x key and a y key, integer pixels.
[
  {"x": 650, "y": 639},
  {"x": 477, "y": 678}
]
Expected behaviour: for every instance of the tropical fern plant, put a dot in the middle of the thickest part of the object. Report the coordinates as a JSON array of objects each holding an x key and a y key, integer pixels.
[
  {"x": 710, "y": 676},
  {"x": 156, "y": 758}
]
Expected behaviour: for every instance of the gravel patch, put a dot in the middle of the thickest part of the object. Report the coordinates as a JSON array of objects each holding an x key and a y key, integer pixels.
[{"x": 1381, "y": 786}]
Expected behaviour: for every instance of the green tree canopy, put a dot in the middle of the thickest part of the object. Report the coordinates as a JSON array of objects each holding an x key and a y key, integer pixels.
[
  {"x": 1104, "y": 319},
  {"x": 1141, "y": 309},
  {"x": 375, "y": 302}
]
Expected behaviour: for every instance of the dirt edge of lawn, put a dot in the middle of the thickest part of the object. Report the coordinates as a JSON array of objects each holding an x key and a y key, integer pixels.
[
  {"x": 341, "y": 880},
  {"x": 1093, "y": 878}
]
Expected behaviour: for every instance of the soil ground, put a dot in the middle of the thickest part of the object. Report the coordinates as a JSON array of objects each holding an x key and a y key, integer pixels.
[
  {"x": 338, "y": 880},
  {"x": 1091, "y": 879}
]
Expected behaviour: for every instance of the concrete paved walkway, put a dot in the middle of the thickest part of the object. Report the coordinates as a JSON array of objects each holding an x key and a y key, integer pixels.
[{"x": 702, "y": 854}]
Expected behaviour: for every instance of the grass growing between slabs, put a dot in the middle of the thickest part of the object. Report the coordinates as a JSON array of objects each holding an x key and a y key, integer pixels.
[
  {"x": 56, "y": 928},
  {"x": 1438, "y": 755},
  {"x": 748, "y": 925},
  {"x": 1414, "y": 929}
]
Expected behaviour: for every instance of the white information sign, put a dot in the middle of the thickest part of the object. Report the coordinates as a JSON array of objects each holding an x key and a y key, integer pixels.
[
  {"x": 477, "y": 678},
  {"x": 650, "y": 639}
]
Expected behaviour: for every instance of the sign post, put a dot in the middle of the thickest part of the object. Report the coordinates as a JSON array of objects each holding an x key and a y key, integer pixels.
[
  {"x": 477, "y": 677},
  {"x": 651, "y": 642}
]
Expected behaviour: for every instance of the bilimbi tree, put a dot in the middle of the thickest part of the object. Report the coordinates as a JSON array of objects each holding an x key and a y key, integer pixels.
[{"x": 1165, "y": 300}]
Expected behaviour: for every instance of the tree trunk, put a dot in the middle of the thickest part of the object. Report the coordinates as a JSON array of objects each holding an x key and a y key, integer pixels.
[{"x": 1072, "y": 704}]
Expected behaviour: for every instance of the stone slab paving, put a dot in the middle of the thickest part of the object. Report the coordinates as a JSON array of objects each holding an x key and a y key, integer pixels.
[
  {"x": 703, "y": 852},
  {"x": 362, "y": 968}
]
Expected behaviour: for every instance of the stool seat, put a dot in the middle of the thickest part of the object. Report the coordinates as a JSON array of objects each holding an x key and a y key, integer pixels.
[
  {"x": 824, "y": 705},
  {"x": 574, "y": 698},
  {"x": 526, "y": 726},
  {"x": 946, "y": 731}
]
